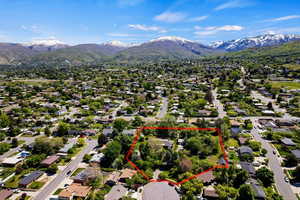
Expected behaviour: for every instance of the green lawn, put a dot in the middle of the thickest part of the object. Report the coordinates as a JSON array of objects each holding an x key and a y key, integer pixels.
[
  {"x": 77, "y": 171},
  {"x": 232, "y": 143},
  {"x": 6, "y": 172},
  {"x": 13, "y": 182},
  {"x": 57, "y": 191},
  {"x": 292, "y": 66},
  {"x": 288, "y": 85},
  {"x": 36, "y": 185}
]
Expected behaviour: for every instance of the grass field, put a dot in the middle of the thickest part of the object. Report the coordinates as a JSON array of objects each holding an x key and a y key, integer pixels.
[
  {"x": 36, "y": 185},
  {"x": 288, "y": 85},
  {"x": 292, "y": 66}
]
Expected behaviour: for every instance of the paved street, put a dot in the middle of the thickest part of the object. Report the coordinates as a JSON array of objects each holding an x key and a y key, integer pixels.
[
  {"x": 50, "y": 188},
  {"x": 163, "y": 109},
  {"x": 283, "y": 188},
  {"x": 218, "y": 104}
]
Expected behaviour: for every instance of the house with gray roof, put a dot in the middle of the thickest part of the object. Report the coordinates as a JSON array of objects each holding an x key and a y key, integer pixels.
[
  {"x": 129, "y": 132},
  {"x": 24, "y": 182},
  {"x": 116, "y": 193},
  {"x": 259, "y": 193},
  {"x": 159, "y": 191},
  {"x": 287, "y": 142},
  {"x": 245, "y": 150},
  {"x": 296, "y": 153},
  {"x": 107, "y": 132},
  {"x": 248, "y": 167}
]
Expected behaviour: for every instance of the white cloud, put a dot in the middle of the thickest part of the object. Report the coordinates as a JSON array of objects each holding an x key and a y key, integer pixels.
[
  {"x": 285, "y": 18},
  {"x": 198, "y": 19},
  {"x": 233, "y": 4},
  {"x": 147, "y": 28},
  {"x": 32, "y": 28},
  {"x": 212, "y": 30},
  {"x": 129, "y": 2},
  {"x": 170, "y": 17}
]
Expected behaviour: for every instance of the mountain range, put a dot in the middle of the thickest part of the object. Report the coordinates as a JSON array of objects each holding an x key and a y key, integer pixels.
[{"x": 56, "y": 52}]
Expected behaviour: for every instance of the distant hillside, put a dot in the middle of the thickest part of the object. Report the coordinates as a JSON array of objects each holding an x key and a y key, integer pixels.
[
  {"x": 252, "y": 42},
  {"x": 76, "y": 55},
  {"x": 166, "y": 47},
  {"x": 10, "y": 53},
  {"x": 279, "y": 50}
]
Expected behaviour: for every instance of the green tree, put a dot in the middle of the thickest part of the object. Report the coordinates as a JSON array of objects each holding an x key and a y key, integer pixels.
[
  {"x": 4, "y": 120},
  {"x": 265, "y": 175},
  {"x": 87, "y": 158},
  {"x": 245, "y": 193},
  {"x": 137, "y": 122},
  {"x": 14, "y": 142},
  {"x": 52, "y": 169},
  {"x": 102, "y": 140},
  {"x": 47, "y": 131},
  {"x": 120, "y": 124},
  {"x": 111, "y": 152}
]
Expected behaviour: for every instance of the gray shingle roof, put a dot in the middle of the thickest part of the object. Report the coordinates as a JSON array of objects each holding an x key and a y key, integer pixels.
[
  {"x": 159, "y": 191},
  {"x": 296, "y": 153},
  {"x": 31, "y": 177}
]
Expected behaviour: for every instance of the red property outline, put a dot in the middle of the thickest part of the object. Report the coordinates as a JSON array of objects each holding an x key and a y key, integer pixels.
[{"x": 137, "y": 136}]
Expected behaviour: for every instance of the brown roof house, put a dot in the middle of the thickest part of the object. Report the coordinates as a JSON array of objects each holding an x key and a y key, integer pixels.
[
  {"x": 49, "y": 161},
  {"x": 113, "y": 178},
  {"x": 207, "y": 178},
  {"x": 74, "y": 191},
  {"x": 126, "y": 174},
  {"x": 5, "y": 194}
]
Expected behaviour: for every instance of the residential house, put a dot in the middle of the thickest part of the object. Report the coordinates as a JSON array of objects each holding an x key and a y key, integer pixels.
[
  {"x": 107, "y": 132},
  {"x": 210, "y": 193},
  {"x": 89, "y": 132},
  {"x": 126, "y": 174},
  {"x": 67, "y": 147},
  {"x": 130, "y": 132},
  {"x": 259, "y": 193},
  {"x": 74, "y": 191},
  {"x": 207, "y": 178},
  {"x": 97, "y": 158},
  {"x": 287, "y": 142},
  {"x": 50, "y": 160},
  {"x": 159, "y": 191},
  {"x": 87, "y": 175},
  {"x": 12, "y": 161},
  {"x": 284, "y": 122},
  {"x": 116, "y": 193},
  {"x": 5, "y": 194},
  {"x": 245, "y": 150},
  {"x": 296, "y": 153},
  {"x": 24, "y": 182},
  {"x": 113, "y": 178},
  {"x": 248, "y": 167}
]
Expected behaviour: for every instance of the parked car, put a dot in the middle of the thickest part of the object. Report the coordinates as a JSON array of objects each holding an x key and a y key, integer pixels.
[{"x": 286, "y": 179}]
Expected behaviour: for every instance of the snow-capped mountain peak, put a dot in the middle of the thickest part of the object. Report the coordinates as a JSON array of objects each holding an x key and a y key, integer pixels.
[
  {"x": 116, "y": 43},
  {"x": 171, "y": 38},
  {"x": 45, "y": 42},
  {"x": 258, "y": 41}
]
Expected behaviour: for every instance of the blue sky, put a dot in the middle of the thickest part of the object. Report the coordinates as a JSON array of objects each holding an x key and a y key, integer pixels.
[{"x": 131, "y": 21}]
